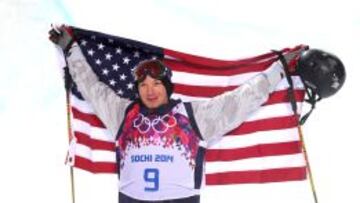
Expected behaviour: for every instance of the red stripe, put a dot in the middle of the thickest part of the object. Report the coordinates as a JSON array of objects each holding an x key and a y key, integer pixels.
[
  {"x": 216, "y": 63},
  {"x": 208, "y": 91},
  {"x": 282, "y": 96},
  {"x": 89, "y": 118},
  {"x": 95, "y": 167},
  {"x": 260, "y": 150},
  {"x": 260, "y": 176},
  {"x": 180, "y": 66},
  {"x": 275, "y": 123},
  {"x": 94, "y": 144},
  {"x": 200, "y": 91}
]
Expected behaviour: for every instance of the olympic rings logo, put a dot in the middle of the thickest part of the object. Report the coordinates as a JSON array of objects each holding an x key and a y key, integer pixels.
[{"x": 160, "y": 124}]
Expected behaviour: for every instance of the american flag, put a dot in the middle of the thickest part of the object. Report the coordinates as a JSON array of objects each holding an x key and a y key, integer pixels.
[{"x": 265, "y": 148}]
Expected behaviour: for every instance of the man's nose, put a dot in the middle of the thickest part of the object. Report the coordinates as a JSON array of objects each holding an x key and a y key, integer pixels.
[{"x": 150, "y": 90}]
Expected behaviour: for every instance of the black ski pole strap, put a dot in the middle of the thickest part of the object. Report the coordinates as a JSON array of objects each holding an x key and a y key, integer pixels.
[
  {"x": 290, "y": 90},
  {"x": 67, "y": 78},
  {"x": 312, "y": 101}
]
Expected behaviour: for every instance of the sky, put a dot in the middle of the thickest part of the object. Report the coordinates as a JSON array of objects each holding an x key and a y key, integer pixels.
[{"x": 32, "y": 96}]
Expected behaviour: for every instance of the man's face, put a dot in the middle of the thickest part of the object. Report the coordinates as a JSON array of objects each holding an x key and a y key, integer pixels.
[{"x": 152, "y": 93}]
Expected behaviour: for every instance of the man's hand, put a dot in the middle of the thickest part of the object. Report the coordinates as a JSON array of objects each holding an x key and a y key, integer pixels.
[{"x": 62, "y": 36}]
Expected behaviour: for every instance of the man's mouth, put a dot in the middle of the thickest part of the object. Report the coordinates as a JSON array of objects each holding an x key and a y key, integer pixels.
[{"x": 152, "y": 99}]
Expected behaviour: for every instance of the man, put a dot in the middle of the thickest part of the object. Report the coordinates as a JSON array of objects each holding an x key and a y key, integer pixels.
[{"x": 161, "y": 142}]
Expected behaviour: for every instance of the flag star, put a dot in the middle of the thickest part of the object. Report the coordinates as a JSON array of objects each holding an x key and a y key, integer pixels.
[
  {"x": 120, "y": 92},
  {"x": 136, "y": 54},
  {"x": 83, "y": 42},
  {"x": 98, "y": 61},
  {"x": 101, "y": 46},
  {"x": 93, "y": 37},
  {"x": 108, "y": 56},
  {"x": 105, "y": 71},
  {"x": 110, "y": 40},
  {"x": 126, "y": 60},
  {"x": 154, "y": 57},
  {"x": 115, "y": 67},
  {"x": 130, "y": 86},
  {"x": 112, "y": 82},
  {"x": 123, "y": 77},
  {"x": 118, "y": 50},
  {"x": 91, "y": 52}
]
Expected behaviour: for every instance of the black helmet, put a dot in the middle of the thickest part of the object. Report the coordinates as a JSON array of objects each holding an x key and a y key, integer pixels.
[
  {"x": 323, "y": 75},
  {"x": 321, "y": 72}
]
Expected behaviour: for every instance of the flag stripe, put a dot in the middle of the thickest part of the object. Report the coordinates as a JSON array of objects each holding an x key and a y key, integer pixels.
[
  {"x": 95, "y": 155},
  {"x": 257, "y": 163},
  {"x": 81, "y": 105},
  {"x": 257, "y": 176},
  {"x": 91, "y": 119},
  {"x": 265, "y": 124},
  {"x": 94, "y": 144},
  {"x": 224, "y": 81},
  {"x": 216, "y": 63},
  {"x": 282, "y": 96},
  {"x": 253, "y": 151},
  {"x": 210, "y": 80},
  {"x": 93, "y": 132},
  {"x": 202, "y": 91},
  {"x": 186, "y": 94},
  {"x": 95, "y": 167},
  {"x": 224, "y": 71},
  {"x": 258, "y": 137}
]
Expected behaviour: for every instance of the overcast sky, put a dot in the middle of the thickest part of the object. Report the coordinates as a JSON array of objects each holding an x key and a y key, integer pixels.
[{"x": 32, "y": 97}]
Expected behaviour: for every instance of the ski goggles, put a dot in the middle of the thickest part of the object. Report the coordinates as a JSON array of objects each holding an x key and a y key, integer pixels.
[{"x": 153, "y": 68}]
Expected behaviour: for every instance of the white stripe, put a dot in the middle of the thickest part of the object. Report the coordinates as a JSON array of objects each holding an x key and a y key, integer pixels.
[
  {"x": 210, "y": 80},
  {"x": 94, "y": 132},
  {"x": 283, "y": 85},
  {"x": 186, "y": 98},
  {"x": 274, "y": 110},
  {"x": 261, "y": 163},
  {"x": 192, "y": 79},
  {"x": 263, "y": 137},
  {"x": 81, "y": 105},
  {"x": 213, "y": 80},
  {"x": 95, "y": 155},
  {"x": 224, "y": 81}
]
